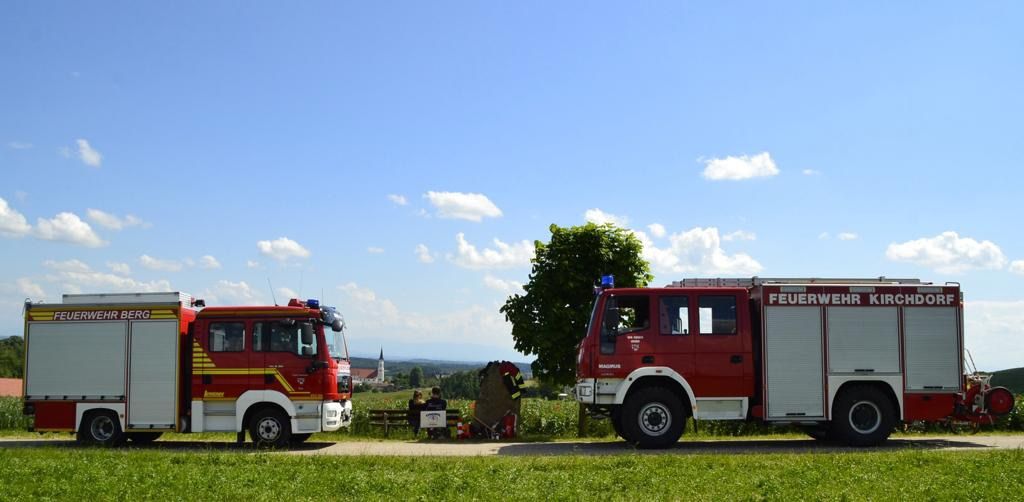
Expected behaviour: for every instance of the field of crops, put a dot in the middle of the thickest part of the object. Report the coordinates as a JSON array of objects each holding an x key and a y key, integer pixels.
[{"x": 128, "y": 474}]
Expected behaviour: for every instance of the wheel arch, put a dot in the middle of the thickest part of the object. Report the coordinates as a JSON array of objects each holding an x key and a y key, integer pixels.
[
  {"x": 657, "y": 377},
  {"x": 885, "y": 387},
  {"x": 252, "y": 401}
]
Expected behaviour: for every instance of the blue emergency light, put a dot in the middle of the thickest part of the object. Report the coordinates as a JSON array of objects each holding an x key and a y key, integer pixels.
[
  {"x": 313, "y": 304},
  {"x": 607, "y": 281}
]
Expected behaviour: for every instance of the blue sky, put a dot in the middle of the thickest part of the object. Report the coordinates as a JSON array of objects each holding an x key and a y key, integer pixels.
[{"x": 209, "y": 148}]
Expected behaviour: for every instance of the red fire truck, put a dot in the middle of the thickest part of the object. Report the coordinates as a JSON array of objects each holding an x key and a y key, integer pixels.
[
  {"x": 116, "y": 367},
  {"x": 845, "y": 358}
]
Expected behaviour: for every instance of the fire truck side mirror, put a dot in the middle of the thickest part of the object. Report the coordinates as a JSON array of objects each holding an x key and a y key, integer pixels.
[{"x": 307, "y": 333}]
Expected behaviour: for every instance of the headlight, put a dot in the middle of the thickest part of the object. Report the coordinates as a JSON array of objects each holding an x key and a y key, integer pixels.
[
  {"x": 332, "y": 413},
  {"x": 585, "y": 390}
]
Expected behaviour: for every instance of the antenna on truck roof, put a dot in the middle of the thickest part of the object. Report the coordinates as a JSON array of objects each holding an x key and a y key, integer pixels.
[{"x": 271, "y": 286}]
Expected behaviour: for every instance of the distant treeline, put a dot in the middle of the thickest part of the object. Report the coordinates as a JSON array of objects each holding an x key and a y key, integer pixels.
[{"x": 429, "y": 367}]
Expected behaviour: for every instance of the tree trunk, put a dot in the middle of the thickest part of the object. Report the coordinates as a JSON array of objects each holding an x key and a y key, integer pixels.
[{"x": 581, "y": 422}]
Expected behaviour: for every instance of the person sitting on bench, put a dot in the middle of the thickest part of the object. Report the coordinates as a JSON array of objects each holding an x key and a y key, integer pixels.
[{"x": 435, "y": 403}]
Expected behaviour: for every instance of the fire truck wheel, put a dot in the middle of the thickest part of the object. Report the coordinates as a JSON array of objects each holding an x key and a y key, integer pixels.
[
  {"x": 100, "y": 428},
  {"x": 270, "y": 427},
  {"x": 653, "y": 418},
  {"x": 143, "y": 437},
  {"x": 862, "y": 416},
  {"x": 299, "y": 438}
]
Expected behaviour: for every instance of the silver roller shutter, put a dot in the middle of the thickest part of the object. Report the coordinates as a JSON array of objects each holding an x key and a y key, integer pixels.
[{"x": 793, "y": 362}]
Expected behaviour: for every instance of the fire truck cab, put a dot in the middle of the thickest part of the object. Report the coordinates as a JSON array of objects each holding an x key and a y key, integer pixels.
[{"x": 845, "y": 358}]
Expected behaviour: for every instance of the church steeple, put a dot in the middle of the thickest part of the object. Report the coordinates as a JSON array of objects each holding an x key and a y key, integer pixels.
[{"x": 380, "y": 367}]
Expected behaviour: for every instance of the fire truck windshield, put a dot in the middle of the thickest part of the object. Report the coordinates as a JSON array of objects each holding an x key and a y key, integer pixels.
[{"x": 336, "y": 345}]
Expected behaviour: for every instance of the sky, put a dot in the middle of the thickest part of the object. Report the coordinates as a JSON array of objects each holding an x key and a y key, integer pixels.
[{"x": 399, "y": 159}]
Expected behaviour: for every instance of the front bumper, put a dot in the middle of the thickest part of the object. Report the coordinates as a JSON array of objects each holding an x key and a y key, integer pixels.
[{"x": 336, "y": 415}]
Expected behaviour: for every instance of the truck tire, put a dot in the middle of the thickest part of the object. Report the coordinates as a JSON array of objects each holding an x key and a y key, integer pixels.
[
  {"x": 141, "y": 438},
  {"x": 101, "y": 428},
  {"x": 653, "y": 417},
  {"x": 862, "y": 416},
  {"x": 270, "y": 427},
  {"x": 299, "y": 438}
]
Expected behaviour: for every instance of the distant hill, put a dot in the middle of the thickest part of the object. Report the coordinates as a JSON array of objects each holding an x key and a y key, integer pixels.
[
  {"x": 1012, "y": 379},
  {"x": 430, "y": 367}
]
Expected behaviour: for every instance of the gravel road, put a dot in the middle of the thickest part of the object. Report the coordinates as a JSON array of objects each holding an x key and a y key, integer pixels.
[{"x": 452, "y": 448}]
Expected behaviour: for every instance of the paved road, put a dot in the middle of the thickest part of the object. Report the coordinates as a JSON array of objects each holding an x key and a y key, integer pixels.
[{"x": 424, "y": 448}]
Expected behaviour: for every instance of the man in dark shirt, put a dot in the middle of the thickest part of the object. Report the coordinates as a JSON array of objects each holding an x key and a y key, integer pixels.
[{"x": 435, "y": 403}]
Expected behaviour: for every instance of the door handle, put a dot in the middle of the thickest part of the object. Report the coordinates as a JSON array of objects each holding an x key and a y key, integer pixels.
[
  {"x": 737, "y": 359},
  {"x": 268, "y": 379},
  {"x": 207, "y": 379},
  {"x": 647, "y": 360}
]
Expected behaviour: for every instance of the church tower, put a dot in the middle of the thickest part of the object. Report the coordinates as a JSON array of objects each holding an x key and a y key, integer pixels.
[{"x": 380, "y": 367}]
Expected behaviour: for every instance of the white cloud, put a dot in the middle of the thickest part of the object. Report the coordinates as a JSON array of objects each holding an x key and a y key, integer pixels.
[
  {"x": 75, "y": 275},
  {"x": 119, "y": 268},
  {"x": 379, "y": 317},
  {"x": 510, "y": 287},
  {"x": 993, "y": 331},
  {"x": 374, "y": 250},
  {"x": 232, "y": 293},
  {"x": 252, "y": 264},
  {"x": 87, "y": 154},
  {"x": 158, "y": 264},
  {"x": 423, "y": 254},
  {"x": 740, "y": 235},
  {"x": 19, "y": 145},
  {"x": 948, "y": 253},
  {"x": 282, "y": 249},
  {"x": 657, "y": 230},
  {"x": 398, "y": 199},
  {"x": 208, "y": 262},
  {"x": 824, "y": 236},
  {"x": 810, "y": 172},
  {"x": 503, "y": 256},
  {"x": 30, "y": 289},
  {"x": 698, "y": 250},
  {"x": 463, "y": 206},
  {"x": 68, "y": 227},
  {"x": 1017, "y": 267},
  {"x": 287, "y": 293},
  {"x": 740, "y": 168},
  {"x": 12, "y": 223},
  {"x": 114, "y": 222},
  {"x": 600, "y": 217},
  {"x": 847, "y": 236}
]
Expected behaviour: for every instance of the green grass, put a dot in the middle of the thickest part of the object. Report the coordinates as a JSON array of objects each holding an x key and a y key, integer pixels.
[{"x": 147, "y": 474}]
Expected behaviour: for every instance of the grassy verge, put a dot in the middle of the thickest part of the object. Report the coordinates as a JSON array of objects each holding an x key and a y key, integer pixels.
[{"x": 134, "y": 474}]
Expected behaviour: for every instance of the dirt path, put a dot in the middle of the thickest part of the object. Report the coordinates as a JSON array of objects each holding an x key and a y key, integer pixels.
[{"x": 441, "y": 449}]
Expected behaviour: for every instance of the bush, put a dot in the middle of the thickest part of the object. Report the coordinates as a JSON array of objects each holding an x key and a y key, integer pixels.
[{"x": 11, "y": 417}]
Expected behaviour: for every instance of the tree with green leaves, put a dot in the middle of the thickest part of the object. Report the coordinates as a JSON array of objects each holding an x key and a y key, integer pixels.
[
  {"x": 551, "y": 318},
  {"x": 416, "y": 377},
  {"x": 12, "y": 357}
]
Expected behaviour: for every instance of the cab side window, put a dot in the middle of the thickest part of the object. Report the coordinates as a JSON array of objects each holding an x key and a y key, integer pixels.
[
  {"x": 227, "y": 337},
  {"x": 634, "y": 314},
  {"x": 674, "y": 315},
  {"x": 717, "y": 315},
  {"x": 280, "y": 337}
]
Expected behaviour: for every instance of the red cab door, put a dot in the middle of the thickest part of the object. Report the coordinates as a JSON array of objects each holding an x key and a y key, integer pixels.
[{"x": 722, "y": 351}]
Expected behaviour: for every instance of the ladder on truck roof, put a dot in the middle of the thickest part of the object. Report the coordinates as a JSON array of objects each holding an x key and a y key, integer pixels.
[{"x": 759, "y": 281}]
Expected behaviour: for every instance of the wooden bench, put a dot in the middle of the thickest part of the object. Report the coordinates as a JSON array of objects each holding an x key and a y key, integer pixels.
[{"x": 389, "y": 419}]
